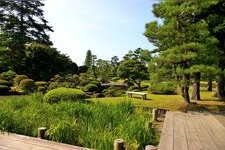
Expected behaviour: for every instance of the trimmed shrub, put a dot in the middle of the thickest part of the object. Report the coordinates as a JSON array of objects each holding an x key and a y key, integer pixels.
[
  {"x": 8, "y": 76},
  {"x": 19, "y": 78},
  {"x": 27, "y": 85},
  {"x": 167, "y": 88},
  {"x": 41, "y": 89},
  {"x": 96, "y": 83},
  {"x": 83, "y": 82},
  {"x": 91, "y": 88},
  {"x": 64, "y": 94},
  {"x": 133, "y": 88},
  {"x": 4, "y": 82},
  {"x": 4, "y": 89},
  {"x": 113, "y": 91},
  {"x": 41, "y": 83}
]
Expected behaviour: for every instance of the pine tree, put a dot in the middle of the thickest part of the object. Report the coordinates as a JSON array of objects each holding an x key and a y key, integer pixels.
[
  {"x": 88, "y": 59},
  {"x": 182, "y": 40},
  {"x": 21, "y": 22}
]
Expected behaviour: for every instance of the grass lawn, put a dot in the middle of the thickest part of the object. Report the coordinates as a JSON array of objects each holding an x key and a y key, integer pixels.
[{"x": 169, "y": 102}]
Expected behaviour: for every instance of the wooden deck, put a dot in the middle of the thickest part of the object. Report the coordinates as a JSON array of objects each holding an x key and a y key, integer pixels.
[
  {"x": 192, "y": 131},
  {"x": 20, "y": 142}
]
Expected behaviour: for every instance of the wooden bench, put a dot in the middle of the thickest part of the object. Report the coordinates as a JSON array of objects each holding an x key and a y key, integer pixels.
[{"x": 130, "y": 93}]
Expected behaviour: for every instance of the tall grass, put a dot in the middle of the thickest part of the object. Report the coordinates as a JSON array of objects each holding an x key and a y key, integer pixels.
[{"x": 93, "y": 125}]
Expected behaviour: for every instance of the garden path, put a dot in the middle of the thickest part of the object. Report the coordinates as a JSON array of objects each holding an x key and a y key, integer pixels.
[
  {"x": 20, "y": 142},
  {"x": 192, "y": 131}
]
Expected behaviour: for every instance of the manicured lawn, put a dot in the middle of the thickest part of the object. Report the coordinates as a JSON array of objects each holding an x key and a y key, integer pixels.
[{"x": 168, "y": 102}]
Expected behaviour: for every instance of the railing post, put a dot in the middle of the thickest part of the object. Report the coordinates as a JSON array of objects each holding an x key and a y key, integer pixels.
[
  {"x": 41, "y": 132},
  {"x": 154, "y": 114},
  {"x": 119, "y": 144}
]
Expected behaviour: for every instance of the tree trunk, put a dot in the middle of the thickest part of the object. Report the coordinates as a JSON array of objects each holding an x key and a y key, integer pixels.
[
  {"x": 209, "y": 86},
  {"x": 185, "y": 94},
  {"x": 185, "y": 88},
  {"x": 220, "y": 93},
  {"x": 196, "y": 86}
]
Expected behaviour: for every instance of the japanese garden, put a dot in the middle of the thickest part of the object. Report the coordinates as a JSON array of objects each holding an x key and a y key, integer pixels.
[{"x": 92, "y": 105}]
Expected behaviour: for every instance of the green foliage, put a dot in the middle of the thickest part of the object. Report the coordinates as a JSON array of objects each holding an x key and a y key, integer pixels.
[
  {"x": 91, "y": 88},
  {"x": 88, "y": 59},
  {"x": 113, "y": 91},
  {"x": 163, "y": 88},
  {"x": 4, "y": 89},
  {"x": 134, "y": 71},
  {"x": 41, "y": 83},
  {"x": 72, "y": 79},
  {"x": 28, "y": 24},
  {"x": 41, "y": 89},
  {"x": 95, "y": 82},
  {"x": 8, "y": 76},
  {"x": 19, "y": 78},
  {"x": 56, "y": 62},
  {"x": 64, "y": 94},
  {"x": 27, "y": 85},
  {"x": 92, "y": 125},
  {"x": 83, "y": 82},
  {"x": 41, "y": 86},
  {"x": 4, "y": 82}
]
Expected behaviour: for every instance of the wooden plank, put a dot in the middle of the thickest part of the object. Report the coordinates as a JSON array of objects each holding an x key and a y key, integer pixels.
[
  {"x": 25, "y": 142},
  {"x": 203, "y": 135},
  {"x": 179, "y": 137},
  {"x": 190, "y": 127},
  {"x": 166, "y": 139},
  {"x": 216, "y": 131}
]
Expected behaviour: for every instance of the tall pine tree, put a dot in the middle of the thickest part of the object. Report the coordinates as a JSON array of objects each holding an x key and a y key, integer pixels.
[{"x": 21, "y": 22}]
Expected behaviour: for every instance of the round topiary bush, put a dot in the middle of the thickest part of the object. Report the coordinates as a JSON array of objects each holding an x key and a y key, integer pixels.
[
  {"x": 27, "y": 85},
  {"x": 4, "y": 89},
  {"x": 91, "y": 88},
  {"x": 19, "y": 78},
  {"x": 64, "y": 94}
]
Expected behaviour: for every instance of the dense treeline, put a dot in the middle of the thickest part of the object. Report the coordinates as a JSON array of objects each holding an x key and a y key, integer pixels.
[{"x": 25, "y": 46}]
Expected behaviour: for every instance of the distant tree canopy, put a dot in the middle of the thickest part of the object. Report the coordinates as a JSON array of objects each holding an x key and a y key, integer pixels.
[
  {"x": 43, "y": 62},
  {"x": 88, "y": 59},
  {"x": 134, "y": 71}
]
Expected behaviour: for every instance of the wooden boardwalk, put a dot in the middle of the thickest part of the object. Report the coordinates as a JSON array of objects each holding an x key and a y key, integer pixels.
[
  {"x": 20, "y": 142},
  {"x": 192, "y": 131}
]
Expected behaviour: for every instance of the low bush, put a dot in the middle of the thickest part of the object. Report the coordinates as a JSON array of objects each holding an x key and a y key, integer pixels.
[
  {"x": 133, "y": 88},
  {"x": 19, "y": 78},
  {"x": 4, "y": 89},
  {"x": 83, "y": 82},
  {"x": 8, "y": 76},
  {"x": 27, "y": 85},
  {"x": 167, "y": 88},
  {"x": 96, "y": 83},
  {"x": 41, "y": 83},
  {"x": 41, "y": 89},
  {"x": 64, "y": 94},
  {"x": 91, "y": 88},
  {"x": 114, "y": 91},
  {"x": 4, "y": 82}
]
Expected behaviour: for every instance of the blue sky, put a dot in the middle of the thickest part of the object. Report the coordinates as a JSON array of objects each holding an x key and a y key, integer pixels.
[{"x": 106, "y": 27}]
